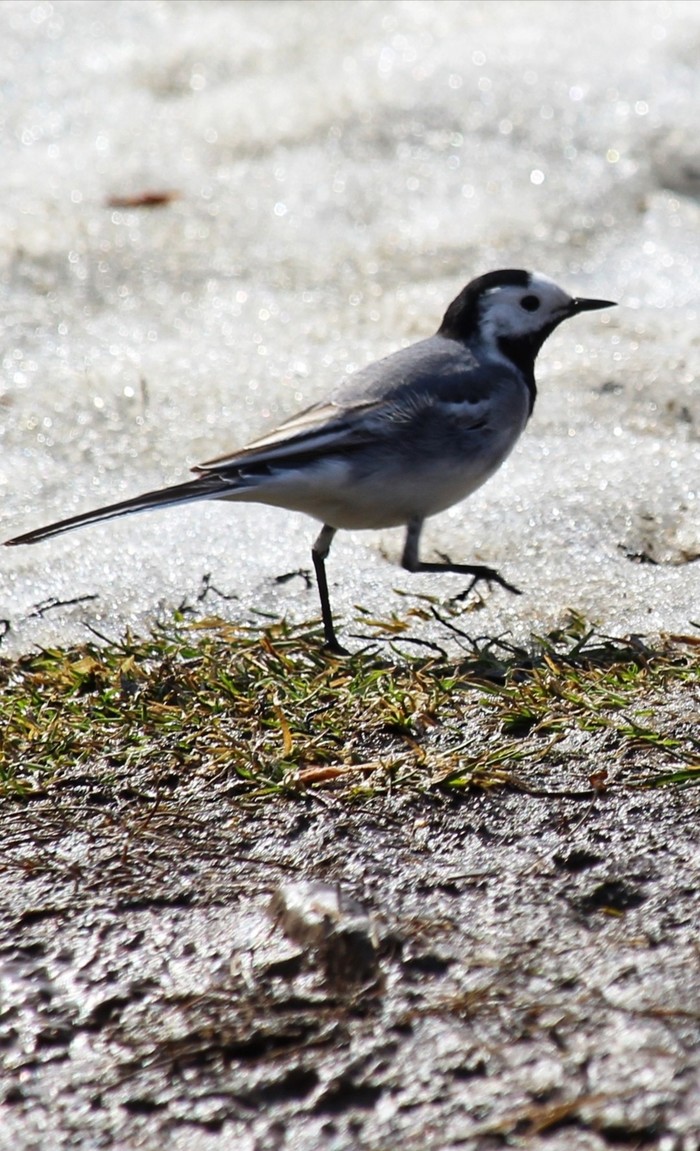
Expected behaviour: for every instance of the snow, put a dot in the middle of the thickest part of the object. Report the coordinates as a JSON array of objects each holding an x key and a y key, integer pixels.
[{"x": 338, "y": 171}]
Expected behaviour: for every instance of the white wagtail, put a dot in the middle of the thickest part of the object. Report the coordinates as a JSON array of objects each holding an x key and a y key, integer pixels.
[{"x": 409, "y": 436}]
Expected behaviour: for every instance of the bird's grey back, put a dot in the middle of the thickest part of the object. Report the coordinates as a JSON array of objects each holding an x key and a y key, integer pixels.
[{"x": 444, "y": 369}]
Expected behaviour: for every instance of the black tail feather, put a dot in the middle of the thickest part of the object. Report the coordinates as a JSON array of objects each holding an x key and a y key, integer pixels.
[{"x": 202, "y": 488}]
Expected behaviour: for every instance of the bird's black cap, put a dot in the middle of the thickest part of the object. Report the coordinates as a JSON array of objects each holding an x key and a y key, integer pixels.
[{"x": 462, "y": 317}]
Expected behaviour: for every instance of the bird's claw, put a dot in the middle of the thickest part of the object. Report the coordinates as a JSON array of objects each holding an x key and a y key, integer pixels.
[
  {"x": 332, "y": 647},
  {"x": 488, "y": 576}
]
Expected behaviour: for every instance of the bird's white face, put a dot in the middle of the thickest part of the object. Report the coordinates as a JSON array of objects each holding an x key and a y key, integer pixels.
[{"x": 516, "y": 313}]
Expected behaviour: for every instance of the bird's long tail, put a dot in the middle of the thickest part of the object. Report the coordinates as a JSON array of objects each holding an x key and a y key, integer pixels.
[{"x": 202, "y": 488}]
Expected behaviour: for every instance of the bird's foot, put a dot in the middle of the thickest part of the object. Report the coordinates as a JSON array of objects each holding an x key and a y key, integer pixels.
[
  {"x": 332, "y": 647},
  {"x": 480, "y": 574}
]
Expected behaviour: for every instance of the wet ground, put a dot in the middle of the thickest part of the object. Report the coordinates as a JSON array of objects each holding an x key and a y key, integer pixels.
[{"x": 534, "y": 981}]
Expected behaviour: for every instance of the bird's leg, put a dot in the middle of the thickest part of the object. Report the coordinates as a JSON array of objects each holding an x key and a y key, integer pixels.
[
  {"x": 478, "y": 572},
  {"x": 319, "y": 552}
]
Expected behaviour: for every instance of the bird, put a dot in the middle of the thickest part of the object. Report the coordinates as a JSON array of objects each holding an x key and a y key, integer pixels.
[{"x": 402, "y": 440}]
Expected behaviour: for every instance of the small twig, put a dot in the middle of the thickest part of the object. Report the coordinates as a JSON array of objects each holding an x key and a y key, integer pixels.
[
  {"x": 41, "y": 609},
  {"x": 208, "y": 586},
  {"x": 300, "y": 573}
]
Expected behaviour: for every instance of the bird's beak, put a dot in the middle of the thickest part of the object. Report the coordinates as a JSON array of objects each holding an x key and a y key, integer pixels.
[{"x": 580, "y": 305}]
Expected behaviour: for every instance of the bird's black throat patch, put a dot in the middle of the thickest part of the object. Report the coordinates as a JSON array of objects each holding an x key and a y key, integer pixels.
[{"x": 523, "y": 353}]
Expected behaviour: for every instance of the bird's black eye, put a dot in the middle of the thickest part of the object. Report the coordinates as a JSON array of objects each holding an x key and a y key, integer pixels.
[{"x": 530, "y": 303}]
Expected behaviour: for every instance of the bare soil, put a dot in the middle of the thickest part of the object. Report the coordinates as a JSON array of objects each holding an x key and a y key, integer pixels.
[{"x": 537, "y": 979}]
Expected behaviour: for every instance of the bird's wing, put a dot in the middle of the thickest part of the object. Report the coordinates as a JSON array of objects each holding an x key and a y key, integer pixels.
[
  {"x": 318, "y": 429},
  {"x": 390, "y": 391}
]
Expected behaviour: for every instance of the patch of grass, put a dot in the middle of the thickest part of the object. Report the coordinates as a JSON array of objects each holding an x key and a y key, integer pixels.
[{"x": 276, "y": 715}]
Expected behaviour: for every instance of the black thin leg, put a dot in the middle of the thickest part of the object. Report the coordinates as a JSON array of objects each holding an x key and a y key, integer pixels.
[
  {"x": 319, "y": 553},
  {"x": 478, "y": 572}
]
